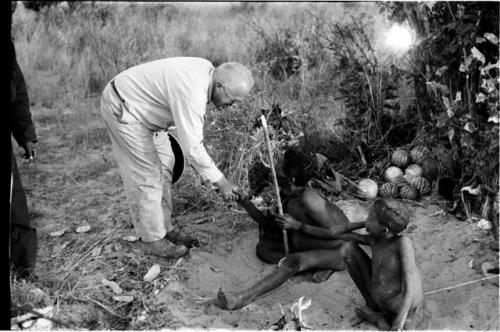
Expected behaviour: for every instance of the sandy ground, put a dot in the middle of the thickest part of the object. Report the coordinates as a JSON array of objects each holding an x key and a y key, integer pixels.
[
  {"x": 444, "y": 248},
  {"x": 76, "y": 182}
]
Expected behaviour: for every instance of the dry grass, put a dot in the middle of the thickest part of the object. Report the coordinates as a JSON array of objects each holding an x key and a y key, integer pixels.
[{"x": 67, "y": 59}]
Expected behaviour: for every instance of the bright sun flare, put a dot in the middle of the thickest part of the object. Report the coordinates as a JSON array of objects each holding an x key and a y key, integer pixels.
[{"x": 399, "y": 38}]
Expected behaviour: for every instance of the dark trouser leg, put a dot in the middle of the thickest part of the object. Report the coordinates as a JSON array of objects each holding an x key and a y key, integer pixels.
[
  {"x": 23, "y": 241},
  {"x": 297, "y": 262}
]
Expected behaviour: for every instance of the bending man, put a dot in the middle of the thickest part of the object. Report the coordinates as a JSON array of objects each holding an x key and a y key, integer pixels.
[{"x": 138, "y": 106}]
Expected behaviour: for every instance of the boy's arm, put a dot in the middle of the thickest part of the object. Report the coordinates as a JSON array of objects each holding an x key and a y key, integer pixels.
[
  {"x": 336, "y": 232},
  {"x": 408, "y": 266},
  {"x": 359, "y": 238},
  {"x": 332, "y": 232},
  {"x": 339, "y": 232}
]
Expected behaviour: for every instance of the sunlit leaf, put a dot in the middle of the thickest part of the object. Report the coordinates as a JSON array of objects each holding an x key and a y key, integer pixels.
[
  {"x": 470, "y": 190},
  {"x": 468, "y": 62},
  {"x": 57, "y": 233},
  {"x": 130, "y": 238},
  {"x": 123, "y": 298},
  {"x": 441, "y": 70},
  {"x": 491, "y": 37},
  {"x": 484, "y": 224},
  {"x": 451, "y": 134},
  {"x": 435, "y": 86},
  {"x": 83, "y": 229},
  {"x": 485, "y": 70},
  {"x": 113, "y": 285},
  {"x": 152, "y": 273},
  {"x": 489, "y": 85},
  {"x": 478, "y": 55},
  {"x": 493, "y": 119},
  {"x": 469, "y": 127},
  {"x": 446, "y": 102},
  {"x": 480, "y": 97}
]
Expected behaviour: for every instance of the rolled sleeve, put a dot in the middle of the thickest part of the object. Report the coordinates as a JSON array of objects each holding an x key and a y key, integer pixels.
[{"x": 188, "y": 118}]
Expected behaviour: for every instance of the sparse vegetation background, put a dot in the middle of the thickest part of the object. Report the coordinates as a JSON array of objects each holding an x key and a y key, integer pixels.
[{"x": 323, "y": 77}]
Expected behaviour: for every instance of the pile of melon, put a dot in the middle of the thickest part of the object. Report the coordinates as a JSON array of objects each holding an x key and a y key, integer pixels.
[{"x": 404, "y": 177}]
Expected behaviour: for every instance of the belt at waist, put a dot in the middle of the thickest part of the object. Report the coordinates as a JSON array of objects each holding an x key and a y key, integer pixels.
[{"x": 116, "y": 91}]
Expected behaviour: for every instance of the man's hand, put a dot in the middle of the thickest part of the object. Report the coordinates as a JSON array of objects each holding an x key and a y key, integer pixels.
[
  {"x": 227, "y": 189},
  {"x": 29, "y": 151},
  {"x": 287, "y": 222},
  {"x": 241, "y": 194}
]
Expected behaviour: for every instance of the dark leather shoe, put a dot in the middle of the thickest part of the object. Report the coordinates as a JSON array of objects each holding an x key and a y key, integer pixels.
[
  {"x": 178, "y": 237},
  {"x": 163, "y": 248}
]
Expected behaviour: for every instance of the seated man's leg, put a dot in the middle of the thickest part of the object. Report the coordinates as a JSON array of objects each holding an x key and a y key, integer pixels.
[
  {"x": 360, "y": 269},
  {"x": 302, "y": 242},
  {"x": 297, "y": 262}
]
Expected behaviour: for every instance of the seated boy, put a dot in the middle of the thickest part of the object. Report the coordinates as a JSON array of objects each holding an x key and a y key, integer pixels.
[
  {"x": 390, "y": 281},
  {"x": 306, "y": 252}
]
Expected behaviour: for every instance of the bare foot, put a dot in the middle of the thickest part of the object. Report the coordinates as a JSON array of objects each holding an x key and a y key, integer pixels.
[
  {"x": 373, "y": 317},
  {"x": 226, "y": 301},
  {"x": 322, "y": 275}
]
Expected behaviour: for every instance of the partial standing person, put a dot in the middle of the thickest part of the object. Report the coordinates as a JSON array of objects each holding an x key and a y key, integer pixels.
[
  {"x": 138, "y": 106},
  {"x": 23, "y": 237}
]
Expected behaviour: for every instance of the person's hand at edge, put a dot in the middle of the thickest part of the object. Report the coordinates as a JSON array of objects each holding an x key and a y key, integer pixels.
[
  {"x": 29, "y": 151},
  {"x": 227, "y": 189}
]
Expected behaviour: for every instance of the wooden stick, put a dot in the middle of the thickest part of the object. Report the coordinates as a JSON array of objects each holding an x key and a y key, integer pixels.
[
  {"x": 275, "y": 179},
  {"x": 462, "y": 284}
]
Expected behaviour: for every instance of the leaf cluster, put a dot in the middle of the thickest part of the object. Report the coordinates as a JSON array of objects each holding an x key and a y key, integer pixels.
[{"x": 459, "y": 49}]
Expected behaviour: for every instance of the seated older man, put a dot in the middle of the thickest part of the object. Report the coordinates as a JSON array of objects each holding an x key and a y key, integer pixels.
[
  {"x": 307, "y": 252},
  {"x": 138, "y": 105}
]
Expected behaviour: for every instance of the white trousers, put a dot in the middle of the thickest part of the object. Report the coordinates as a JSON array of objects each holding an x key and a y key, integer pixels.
[{"x": 146, "y": 161}]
